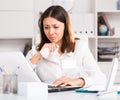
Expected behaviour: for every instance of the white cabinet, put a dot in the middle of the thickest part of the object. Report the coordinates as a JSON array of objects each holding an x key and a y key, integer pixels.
[
  {"x": 17, "y": 5},
  {"x": 16, "y": 24}
]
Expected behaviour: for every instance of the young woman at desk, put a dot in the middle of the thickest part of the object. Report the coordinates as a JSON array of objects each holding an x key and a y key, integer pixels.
[{"x": 59, "y": 59}]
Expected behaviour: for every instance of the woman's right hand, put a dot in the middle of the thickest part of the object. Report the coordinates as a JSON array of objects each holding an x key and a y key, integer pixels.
[
  {"x": 44, "y": 52},
  {"x": 47, "y": 49},
  {"x": 51, "y": 46}
]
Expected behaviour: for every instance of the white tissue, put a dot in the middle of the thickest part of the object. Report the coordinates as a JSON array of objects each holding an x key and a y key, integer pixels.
[{"x": 45, "y": 52}]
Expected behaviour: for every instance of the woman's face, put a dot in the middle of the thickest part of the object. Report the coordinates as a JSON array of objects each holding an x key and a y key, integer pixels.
[{"x": 54, "y": 30}]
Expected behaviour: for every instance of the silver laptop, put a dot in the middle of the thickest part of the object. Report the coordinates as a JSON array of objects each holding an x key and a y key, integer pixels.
[{"x": 15, "y": 63}]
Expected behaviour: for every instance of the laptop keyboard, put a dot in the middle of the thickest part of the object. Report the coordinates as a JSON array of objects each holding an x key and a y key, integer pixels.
[{"x": 62, "y": 88}]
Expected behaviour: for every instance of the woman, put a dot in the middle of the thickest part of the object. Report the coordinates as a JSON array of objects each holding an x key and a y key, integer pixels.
[{"x": 59, "y": 59}]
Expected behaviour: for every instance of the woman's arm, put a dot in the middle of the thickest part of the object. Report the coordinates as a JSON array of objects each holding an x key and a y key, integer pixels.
[{"x": 37, "y": 56}]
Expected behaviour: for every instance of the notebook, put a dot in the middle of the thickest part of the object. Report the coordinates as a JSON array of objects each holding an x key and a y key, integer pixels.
[
  {"x": 110, "y": 82},
  {"x": 15, "y": 63}
]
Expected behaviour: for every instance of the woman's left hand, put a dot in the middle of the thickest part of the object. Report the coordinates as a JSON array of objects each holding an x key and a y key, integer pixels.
[{"x": 65, "y": 81}]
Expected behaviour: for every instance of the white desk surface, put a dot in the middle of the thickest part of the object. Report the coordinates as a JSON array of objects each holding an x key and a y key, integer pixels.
[{"x": 69, "y": 95}]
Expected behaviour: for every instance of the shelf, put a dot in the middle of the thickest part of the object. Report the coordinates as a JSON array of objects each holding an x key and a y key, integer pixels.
[
  {"x": 109, "y": 11},
  {"x": 108, "y": 37},
  {"x": 16, "y": 36},
  {"x": 89, "y": 36}
]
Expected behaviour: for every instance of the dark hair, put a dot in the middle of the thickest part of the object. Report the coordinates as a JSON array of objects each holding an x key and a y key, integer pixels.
[{"x": 60, "y": 14}]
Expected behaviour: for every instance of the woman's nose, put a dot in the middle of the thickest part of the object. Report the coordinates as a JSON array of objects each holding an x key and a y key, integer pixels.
[{"x": 51, "y": 31}]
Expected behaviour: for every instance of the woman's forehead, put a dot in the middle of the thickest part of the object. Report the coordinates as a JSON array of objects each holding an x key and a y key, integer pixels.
[{"x": 51, "y": 21}]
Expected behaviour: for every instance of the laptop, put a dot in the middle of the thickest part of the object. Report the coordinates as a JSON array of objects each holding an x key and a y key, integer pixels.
[
  {"x": 100, "y": 90},
  {"x": 15, "y": 63}
]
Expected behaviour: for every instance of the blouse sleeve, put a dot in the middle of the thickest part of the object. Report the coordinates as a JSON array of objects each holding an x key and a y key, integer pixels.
[
  {"x": 93, "y": 75},
  {"x": 29, "y": 55}
]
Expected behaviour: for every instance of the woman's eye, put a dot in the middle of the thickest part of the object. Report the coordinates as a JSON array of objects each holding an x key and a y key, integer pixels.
[
  {"x": 46, "y": 27},
  {"x": 56, "y": 27}
]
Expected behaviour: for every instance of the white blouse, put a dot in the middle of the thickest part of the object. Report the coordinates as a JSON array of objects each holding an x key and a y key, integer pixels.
[{"x": 80, "y": 63}]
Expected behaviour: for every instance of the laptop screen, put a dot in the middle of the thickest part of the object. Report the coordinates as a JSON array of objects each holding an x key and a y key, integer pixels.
[
  {"x": 16, "y": 63},
  {"x": 112, "y": 74}
]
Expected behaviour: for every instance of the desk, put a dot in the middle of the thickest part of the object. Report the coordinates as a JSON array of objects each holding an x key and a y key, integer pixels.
[{"x": 69, "y": 95}]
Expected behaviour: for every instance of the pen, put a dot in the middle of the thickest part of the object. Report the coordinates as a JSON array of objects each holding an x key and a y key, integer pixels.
[
  {"x": 118, "y": 92},
  {"x": 5, "y": 71},
  {"x": 1, "y": 69},
  {"x": 85, "y": 91}
]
